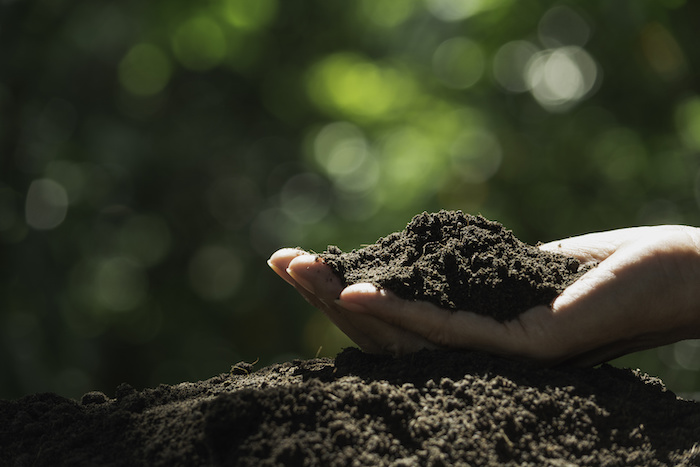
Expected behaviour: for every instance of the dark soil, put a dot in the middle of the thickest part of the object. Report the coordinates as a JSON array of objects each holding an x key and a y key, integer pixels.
[
  {"x": 429, "y": 408},
  {"x": 459, "y": 262}
]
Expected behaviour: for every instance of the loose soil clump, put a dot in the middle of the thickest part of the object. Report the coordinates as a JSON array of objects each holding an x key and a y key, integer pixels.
[
  {"x": 459, "y": 262},
  {"x": 428, "y": 408}
]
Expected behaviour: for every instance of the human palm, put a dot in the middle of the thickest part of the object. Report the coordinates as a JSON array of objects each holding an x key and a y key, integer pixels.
[{"x": 644, "y": 292}]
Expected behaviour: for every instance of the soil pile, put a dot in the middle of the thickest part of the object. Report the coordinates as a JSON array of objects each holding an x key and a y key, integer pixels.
[
  {"x": 459, "y": 262},
  {"x": 429, "y": 408}
]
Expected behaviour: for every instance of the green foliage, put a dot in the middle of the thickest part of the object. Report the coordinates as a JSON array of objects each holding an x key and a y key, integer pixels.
[{"x": 153, "y": 155}]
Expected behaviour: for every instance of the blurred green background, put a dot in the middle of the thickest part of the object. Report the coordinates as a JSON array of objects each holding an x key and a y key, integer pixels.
[{"x": 154, "y": 154}]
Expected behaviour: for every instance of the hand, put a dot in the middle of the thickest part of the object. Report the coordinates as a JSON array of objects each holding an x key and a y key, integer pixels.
[
  {"x": 644, "y": 293},
  {"x": 317, "y": 283}
]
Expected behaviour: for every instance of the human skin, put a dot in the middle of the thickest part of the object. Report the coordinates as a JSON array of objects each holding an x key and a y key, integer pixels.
[{"x": 645, "y": 292}]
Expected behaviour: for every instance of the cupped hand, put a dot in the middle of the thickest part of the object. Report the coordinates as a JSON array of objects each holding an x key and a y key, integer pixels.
[
  {"x": 645, "y": 292},
  {"x": 317, "y": 283}
]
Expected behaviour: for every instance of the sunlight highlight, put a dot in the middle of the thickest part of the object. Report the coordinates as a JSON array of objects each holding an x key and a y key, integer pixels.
[{"x": 558, "y": 78}]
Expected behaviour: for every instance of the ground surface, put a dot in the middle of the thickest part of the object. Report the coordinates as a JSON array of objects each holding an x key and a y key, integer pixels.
[{"x": 430, "y": 408}]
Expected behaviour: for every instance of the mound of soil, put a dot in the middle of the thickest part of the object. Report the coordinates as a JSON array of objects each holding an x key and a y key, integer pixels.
[
  {"x": 429, "y": 408},
  {"x": 459, "y": 262}
]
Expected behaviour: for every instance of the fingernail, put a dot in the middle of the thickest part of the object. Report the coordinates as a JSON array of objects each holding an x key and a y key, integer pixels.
[
  {"x": 362, "y": 288},
  {"x": 350, "y": 306}
]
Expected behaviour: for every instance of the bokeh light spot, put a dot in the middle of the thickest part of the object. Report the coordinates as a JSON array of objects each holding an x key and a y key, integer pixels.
[
  {"x": 250, "y": 15},
  {"x": 363, "y": 179},
  {"x": 348, "y": 84},
  {"x": 387, "y": 13},
  {"x": 476, "y": 155},
  {"x": 46, "y": 205},
  {"x": 199, "y": 44},
  {"x": 340, "y": 148},
  {"x": 145, "y": 70},
  {"x": 343, "y": 152},
  {"x": 410, "y": 167},
  {"x": 510, "y": 65},
  {"x": 305, "y": 198},
  {"x": 558, "y": 78},
  {"x": 454, "y": 10},
  {"x": 215, "y": 272},
  {"x": 120, "y": 284},
  {"x": 458, "y": 62}
]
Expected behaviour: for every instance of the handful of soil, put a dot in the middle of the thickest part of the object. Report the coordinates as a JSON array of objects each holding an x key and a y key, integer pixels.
[{"x": 459, "y": 262}]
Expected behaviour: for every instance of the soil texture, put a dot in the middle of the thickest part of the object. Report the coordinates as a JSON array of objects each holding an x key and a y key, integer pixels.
[
  {"x": 459, "y": 262},
  {"x": 429, "y": 408}
]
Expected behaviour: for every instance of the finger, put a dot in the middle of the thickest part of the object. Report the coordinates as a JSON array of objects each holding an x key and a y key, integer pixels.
[
  {"x": 385, "y": 337},
  {"x": 443, "y": 328},
  {"x": 320, "y": 286},
  {"x": 315, "y": 276},
  {"x": 597, "y": 246},
  {"x": 376, "y": 336},
  {"x": 369, "y": 333},
  {"x": 279, "y": 262},
  {"x": 360, "y": 331}
]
